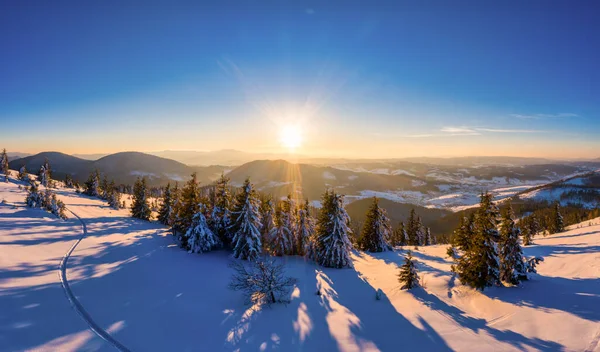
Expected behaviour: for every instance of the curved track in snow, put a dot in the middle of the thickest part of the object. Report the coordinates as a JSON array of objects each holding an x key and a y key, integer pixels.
[{"x": 62, "y": 274}]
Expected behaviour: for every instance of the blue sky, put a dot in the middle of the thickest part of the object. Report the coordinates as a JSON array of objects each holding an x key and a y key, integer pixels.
[{"x": 374, "y": 80}]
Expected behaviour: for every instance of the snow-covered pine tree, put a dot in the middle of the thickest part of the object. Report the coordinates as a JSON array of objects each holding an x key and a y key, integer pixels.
[
  {"x": 200, "y": 237},
  {"x": 246, "y": 223},
  {"x": 558, "y": 224},
  {"x": 428, "y": 239},
  {"x": 104, "y": 188},
  {"x": 56, "y": 206},
  {"x": 4, "y": 165},
  {"x": 332, "y": 244},
  {"x": 23, "y": 175},
  {"x": 412, "y": 229},
  {"x": 34, "y": 198},
  {"x": 305, "y": 228},
  {"x": 479, "y": 266},
  {"x": 408, "y": 276},
  {"x": 140, "y": 208},
  {"x": 220, "y": 219},
  {"x": 69, "y": 181},
  {"x": 175, "y": 219},
  {"x": 190, "y": 198},
  {"x": 420, "y": 232},
  {"x": 289, "y": 221},
  {"x": 165, "y": 213},
  {"x": 92, "y": 185},
  {"x": 267, "y": 214},
  {"x": 398, "y": 235},
  {"x": 462, "y": 237},
  {"x": 113, "y": 197},
  {"x": 376, "y": 230},
  {"x": 512, "y": 266},
  {"x": 532, "y": 227},
  {"x": 280, "y": 239}
]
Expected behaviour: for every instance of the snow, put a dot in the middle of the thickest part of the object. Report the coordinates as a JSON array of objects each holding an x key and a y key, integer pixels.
[
  {"x": 150, "y": 175},
  {"x": 152, "y": 296},
  {"x": 352, "y": 177},
  {"x": 328, "y": 175},
  {"x": 553, "y": 194}
]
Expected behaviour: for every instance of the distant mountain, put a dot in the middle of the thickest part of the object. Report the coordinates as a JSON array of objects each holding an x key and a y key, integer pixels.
[
  {"x": 123, "y": 167},
  {"x": 228, "y": 157},
  {"x": 280, "y": 178},
  {"x": 91, "y": 156},
  {"x": 16, "y": 155}
]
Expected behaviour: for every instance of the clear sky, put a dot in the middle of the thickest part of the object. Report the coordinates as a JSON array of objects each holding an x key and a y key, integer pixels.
[{"x": 328, "y": 78}]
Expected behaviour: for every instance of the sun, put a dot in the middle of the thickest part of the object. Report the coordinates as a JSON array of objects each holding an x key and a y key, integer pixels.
[{"x": 290, "y": 137}]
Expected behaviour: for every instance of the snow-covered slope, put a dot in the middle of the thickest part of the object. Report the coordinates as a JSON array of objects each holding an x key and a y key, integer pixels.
[{"x": 151, "y": 296}]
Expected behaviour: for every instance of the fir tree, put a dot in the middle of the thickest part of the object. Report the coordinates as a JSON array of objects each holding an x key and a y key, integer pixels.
[
  {"x": 220, "y": 220},
  {"x": 140, "y": 208},
  {"x": 280, "y": 239},
  {"x": 4, "y": 165},
  {"x": 532, "y": 228},
  {"x": 165, "y": 213},
  {"x": 479, "y": 266},
  {"x": 376, "y": 231},
  {"x": 332, "y": 244},
  {"x": 558, "y": 224},
  {"x": 190, "y": 198},
  {"x": 200, "y": 237},
  {"x": 113, "y": 197},
  {"x": 428, "y": 239},
  {"x": 399, "y": 236},
  {"x": 408, "y": 276},
  {"x": 267, "y": 213},
  {"x": 92, "y": 185},
  {"x": 104, "y": 188},
  {"x": 34, "y": 198},
  {"x": 305, "y": 228},
  {"x": 412, "y": 229},
  {"x": 463, "y": 235},
  {"x": 288, "y": 220},
  {"x": 68, "y": 181},
  {"x": 420, "y": 233},
  {"x": 246, "y": 224},
  {"x": 23, "y": 175},
  {"x": 512, "y": 268}
]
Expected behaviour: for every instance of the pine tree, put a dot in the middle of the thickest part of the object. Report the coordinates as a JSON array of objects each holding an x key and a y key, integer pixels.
[
  {"x": 23, "y": 175},
  {"x": 246, "y": 224},
  {"x": 92, "y": 185},
  {"x": 376, "y": 231},
  {"x": 558, "y": 224},
  {"x": 408, "y": 276},
  {"x": 140, "y": 208},
  {"x": 399, "y": 236},
  {"x": 165, "y": 213},
  {"x": 220, "y": 219},
  {"x": 190, "y": 198},
  {"x": 175, "y": 220},
  {"x": 113, "y": 197},
  {"x": 34, "y": 198},
  {"x": 428, "y": 239},
  {"x": 200, "y": 237},
  {"x": 68, "y": 181},
  {"x": 412, "y": 229},
  {"x": 463, "y": 235},
  {"x": 4, "y": 165},
  {"x": 332, "y": 244},
  {"x": 104, "y": 188},
  {"x": 533, "y": 227},
  {"x": 289, "y": 221},
  {"x": 267, "y": 214},
  {"x": 479, "y": 266},
  {"x": 45, "y": 174},
  {"x": 305, "y": 228},
  {"x": 512, "y": 268},
  {"x": 280, "y": 239},
  {"x": 420, "y": 233}
]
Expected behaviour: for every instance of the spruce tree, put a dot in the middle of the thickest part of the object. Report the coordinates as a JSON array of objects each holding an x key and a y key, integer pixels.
[
  {"x": 479, "y": 266},
  {"x": 23, "y": 175},
  {"x": 165, "y": 213},
  {"x": 399, "y": 236},
  {"x": 376, "y": 231},
  {"x": 332, "y": 245},
  {"x": 4, "y": 165},
  {"x": 140, "y": 208},
  {"x": 428, "y": 239},
  {"x": 267, "y": 214},
  {"x": 412, "y": 229},
  {"x": 305, "y": 228},
  {"x": 175, "y": 221},
  {"x": 220, "y": 219},
  {"x": 558, "y": 224},
  {"x": 190, "y": 198},
  {"x": 92, "y": 185},
  {"x": 532, "y": 228},
  {"x": 512, "y": 268},
  {"x": 104, "y": 187},
  {"x": 246, "y": 224},
  {"x": 200, "y": 237},
  {"x": 34, "y": 198},
  {"x": 113, "y": 197},
  {"x": 420, "y": 232},
  {"x": 408, "y": 276},
  {"x": 289, "y": 221},
  {"x": 280, "y": 239}
]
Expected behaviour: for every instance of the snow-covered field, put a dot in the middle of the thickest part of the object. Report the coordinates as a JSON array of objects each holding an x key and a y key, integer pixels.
[{"x": 151, "y": 296}]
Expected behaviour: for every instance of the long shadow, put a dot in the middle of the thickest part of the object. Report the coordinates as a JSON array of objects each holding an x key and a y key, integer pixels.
[
  {"x": 580, "y": 297},
  {"x": 474, "y": 324}
]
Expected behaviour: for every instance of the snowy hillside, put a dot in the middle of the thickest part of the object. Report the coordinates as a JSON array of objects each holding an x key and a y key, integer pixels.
[{"x": 149, "y": 295}]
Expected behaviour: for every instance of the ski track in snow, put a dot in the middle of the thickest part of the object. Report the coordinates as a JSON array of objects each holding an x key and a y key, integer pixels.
[{"x": 77, "y": 306}]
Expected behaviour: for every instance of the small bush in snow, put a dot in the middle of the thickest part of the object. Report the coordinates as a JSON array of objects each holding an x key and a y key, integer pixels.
[{"x": 262, "y": 281}]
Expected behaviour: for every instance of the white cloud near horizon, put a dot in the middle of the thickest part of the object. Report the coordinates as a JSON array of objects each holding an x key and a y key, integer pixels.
[{"x": 453, "y": 131}]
